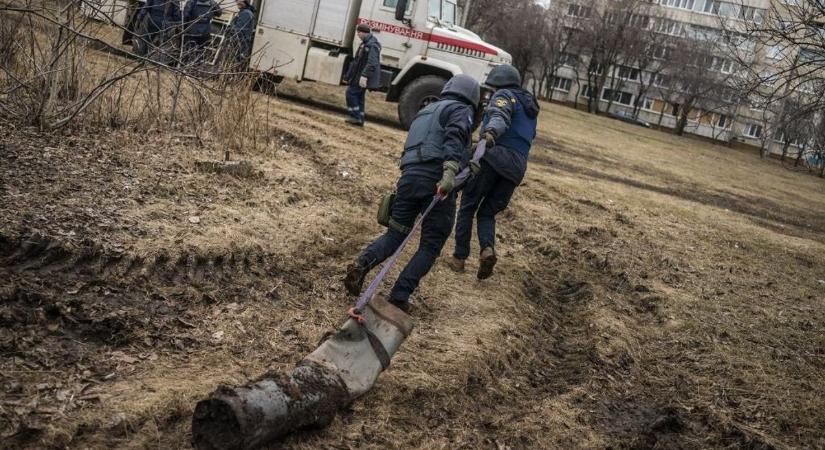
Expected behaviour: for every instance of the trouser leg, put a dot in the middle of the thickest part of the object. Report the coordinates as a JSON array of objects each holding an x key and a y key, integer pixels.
[
  {"x": 497, "y": 199},
  {"x": 404, "y": 211},
  {"x": 362, "y": 105},
  {"x": 471, "y": 198},
  {"x": 353, "y": 101},
  {"x": 435, "y": 230}
]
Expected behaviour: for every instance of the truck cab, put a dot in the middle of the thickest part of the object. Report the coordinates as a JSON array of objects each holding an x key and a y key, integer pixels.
[
  {"x": 315, "y": 40},
  {"x": 422, "y": 47}
]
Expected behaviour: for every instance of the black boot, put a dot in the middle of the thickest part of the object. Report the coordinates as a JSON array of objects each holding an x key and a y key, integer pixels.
[
  {"x": 486, "y": 262},
  {"x": 356, "y": 273},
  {"x": 403, "y": 305}
]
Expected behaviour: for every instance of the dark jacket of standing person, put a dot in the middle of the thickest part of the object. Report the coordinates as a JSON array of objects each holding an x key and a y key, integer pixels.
[
  {"x": 241, "y": 29},
  {"x": 367, "y": 63},
  {"x": 164, "y": 13},
  {"x": 198, "y": 15}
]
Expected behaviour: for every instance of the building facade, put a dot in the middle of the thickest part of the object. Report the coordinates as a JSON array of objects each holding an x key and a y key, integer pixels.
[{"x": 729, "y": 117}]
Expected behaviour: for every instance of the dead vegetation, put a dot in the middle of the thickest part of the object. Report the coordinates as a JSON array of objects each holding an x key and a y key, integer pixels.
[{"x": 653, "y": 292}]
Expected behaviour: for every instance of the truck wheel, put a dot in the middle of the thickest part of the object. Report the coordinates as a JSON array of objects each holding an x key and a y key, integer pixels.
[{"x": 416, "y": 95}]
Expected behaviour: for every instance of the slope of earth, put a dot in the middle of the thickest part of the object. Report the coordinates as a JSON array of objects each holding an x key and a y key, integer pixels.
[{"x": 652, "y": 291}]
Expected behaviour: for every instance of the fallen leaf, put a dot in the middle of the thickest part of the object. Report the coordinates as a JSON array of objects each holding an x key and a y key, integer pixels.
[{"x": 194, "y": 219}]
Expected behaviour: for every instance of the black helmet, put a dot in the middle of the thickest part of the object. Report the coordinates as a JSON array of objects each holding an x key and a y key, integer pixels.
[
  {"x": 503, "y": 75},
  {"x": 465, "y": 86}
]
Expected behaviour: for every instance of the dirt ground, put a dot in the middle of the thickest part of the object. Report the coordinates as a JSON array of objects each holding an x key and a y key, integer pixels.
[{"x": 653, "y": 292}]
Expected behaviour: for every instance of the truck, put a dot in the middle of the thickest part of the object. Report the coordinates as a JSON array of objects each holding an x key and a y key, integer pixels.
[{"x": 314, "y": 40}]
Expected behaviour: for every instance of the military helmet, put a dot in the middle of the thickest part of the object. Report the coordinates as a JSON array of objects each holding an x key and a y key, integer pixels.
[
  {"x": 465, "y": 86},
  {"x": 503, "y": 75}
]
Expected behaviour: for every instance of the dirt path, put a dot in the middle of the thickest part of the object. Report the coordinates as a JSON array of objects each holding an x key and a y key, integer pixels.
[{"x": 653, "y": 292}]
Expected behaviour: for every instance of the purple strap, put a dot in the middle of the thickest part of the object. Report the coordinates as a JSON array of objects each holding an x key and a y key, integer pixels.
[{"x": 460, "y": 179}]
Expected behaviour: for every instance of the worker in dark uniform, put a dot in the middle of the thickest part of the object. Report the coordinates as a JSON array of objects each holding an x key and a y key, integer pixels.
[
  {"x": 159, "y": 16},
  {"x": 435, "y": 145},
  {"x": 364, "y": 73},
  {"x": 197, "y": 18},
  {"x": 240, "y": 32},
  {"x": 509, "y": 127}
]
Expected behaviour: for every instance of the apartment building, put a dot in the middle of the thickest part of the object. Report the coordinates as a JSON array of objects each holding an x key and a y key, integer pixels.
[{"x": 732, "y": 118}]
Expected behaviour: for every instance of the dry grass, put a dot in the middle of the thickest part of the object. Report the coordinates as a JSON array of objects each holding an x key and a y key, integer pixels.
[{"x": 653, "y": 292}]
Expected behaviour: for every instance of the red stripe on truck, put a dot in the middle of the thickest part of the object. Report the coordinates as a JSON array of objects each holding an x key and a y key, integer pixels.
[{"x": 425, "y": 36}]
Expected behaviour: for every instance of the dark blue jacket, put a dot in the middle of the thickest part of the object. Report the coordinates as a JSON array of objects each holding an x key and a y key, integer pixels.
[
  {"x": 242, "y": 27},
  {"x": 511, "y": 116},
  {"x": 367, "y": 63},
  {"x": 198, "y": 14},
  {"x": 457, "y": 120},
  {"x": 164, "y": 13}
]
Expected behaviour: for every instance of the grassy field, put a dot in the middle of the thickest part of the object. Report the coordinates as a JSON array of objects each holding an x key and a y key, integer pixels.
[{"x": 652, "y": 291}]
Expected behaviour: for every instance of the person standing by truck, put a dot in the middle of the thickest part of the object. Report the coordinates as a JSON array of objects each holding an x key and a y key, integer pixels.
[
  {"x": 364, "y": 73},
  {"x": 434, "y": 147},
  {"x": 240, "y": 32},
  {"x": 156, "y": 17},
  {"x": 197, "y": 18}
]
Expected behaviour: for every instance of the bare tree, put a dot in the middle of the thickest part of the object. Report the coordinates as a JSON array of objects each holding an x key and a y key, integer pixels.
[
  {"x": 604, "y": 38},
  {"x": 695, "y": 80}
]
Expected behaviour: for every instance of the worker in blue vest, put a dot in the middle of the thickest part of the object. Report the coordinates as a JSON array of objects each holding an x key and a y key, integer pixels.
[
  {"x": 364, "y": 73},
  {"x": 437, "y": 141},
  {"x": 240, "y": 31},
  {"x": 197, "y": 18},
  {"x": 159, "y": 16},
  {"x": 509, "y": 127}
]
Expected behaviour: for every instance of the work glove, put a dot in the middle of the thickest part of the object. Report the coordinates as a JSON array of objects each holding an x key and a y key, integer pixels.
[
  {"x": 363, "y": 82},
  {"x": 447, "y": 182},
  {"x": 475, "y": 168},
  {"x": 490, "y": 138}
]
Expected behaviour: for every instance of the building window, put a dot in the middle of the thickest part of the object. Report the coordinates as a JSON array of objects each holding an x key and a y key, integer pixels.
[
  {"x": 681, "y": 4},
  {"x": 670, "y": 27},
  {"x": 753, "y": 130},
  {"x": 712, "y": 6},
  {"x": 586, "y": 92},
  {"x": 574, "y": 10},
  {"x": 722, "y": 121},
  {"x": 628, "y": 73},
  {"x": 781, "y": 139},
  {"x": 568, "y": 59},
  {"x": 639, "y": 21},
  {"x": 596, "y": 69},
  {"x": 722, "y": 65},
  {"x": 750, "y": 14},
  {"x": 562, "y": 84},
  {"x": 659, "y": 80},
  {"x": 647, "y": 104},
  {"x": 661, "y": 52},
  {"x": 620, "y": 97}
]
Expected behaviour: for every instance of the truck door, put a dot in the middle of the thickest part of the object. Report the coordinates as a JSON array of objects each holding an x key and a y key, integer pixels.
[
  {"x": 397, "y": 38},
  {"x": 282, "y": 37}
]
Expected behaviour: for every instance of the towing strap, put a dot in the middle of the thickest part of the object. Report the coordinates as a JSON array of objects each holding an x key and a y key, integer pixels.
[
  {"x": 378, "y": 348},
  {"x": 367, "y": 295}
]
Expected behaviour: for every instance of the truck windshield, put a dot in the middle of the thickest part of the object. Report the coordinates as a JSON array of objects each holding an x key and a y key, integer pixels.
[{"x": 442, "y": 10}]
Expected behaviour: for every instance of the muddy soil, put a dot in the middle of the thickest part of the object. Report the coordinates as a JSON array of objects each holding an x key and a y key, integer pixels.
[{"x": 652, "y": 291}]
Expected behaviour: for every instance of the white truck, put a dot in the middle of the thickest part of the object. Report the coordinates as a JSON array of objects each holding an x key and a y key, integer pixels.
[{"x": 314, "y": 40}]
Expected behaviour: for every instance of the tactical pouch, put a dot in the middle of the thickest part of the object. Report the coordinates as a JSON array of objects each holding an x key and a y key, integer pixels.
[{"x": 384, "y": 208}]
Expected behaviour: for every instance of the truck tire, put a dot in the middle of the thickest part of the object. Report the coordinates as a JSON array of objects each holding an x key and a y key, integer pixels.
[{"x": 416, "y": 95}]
